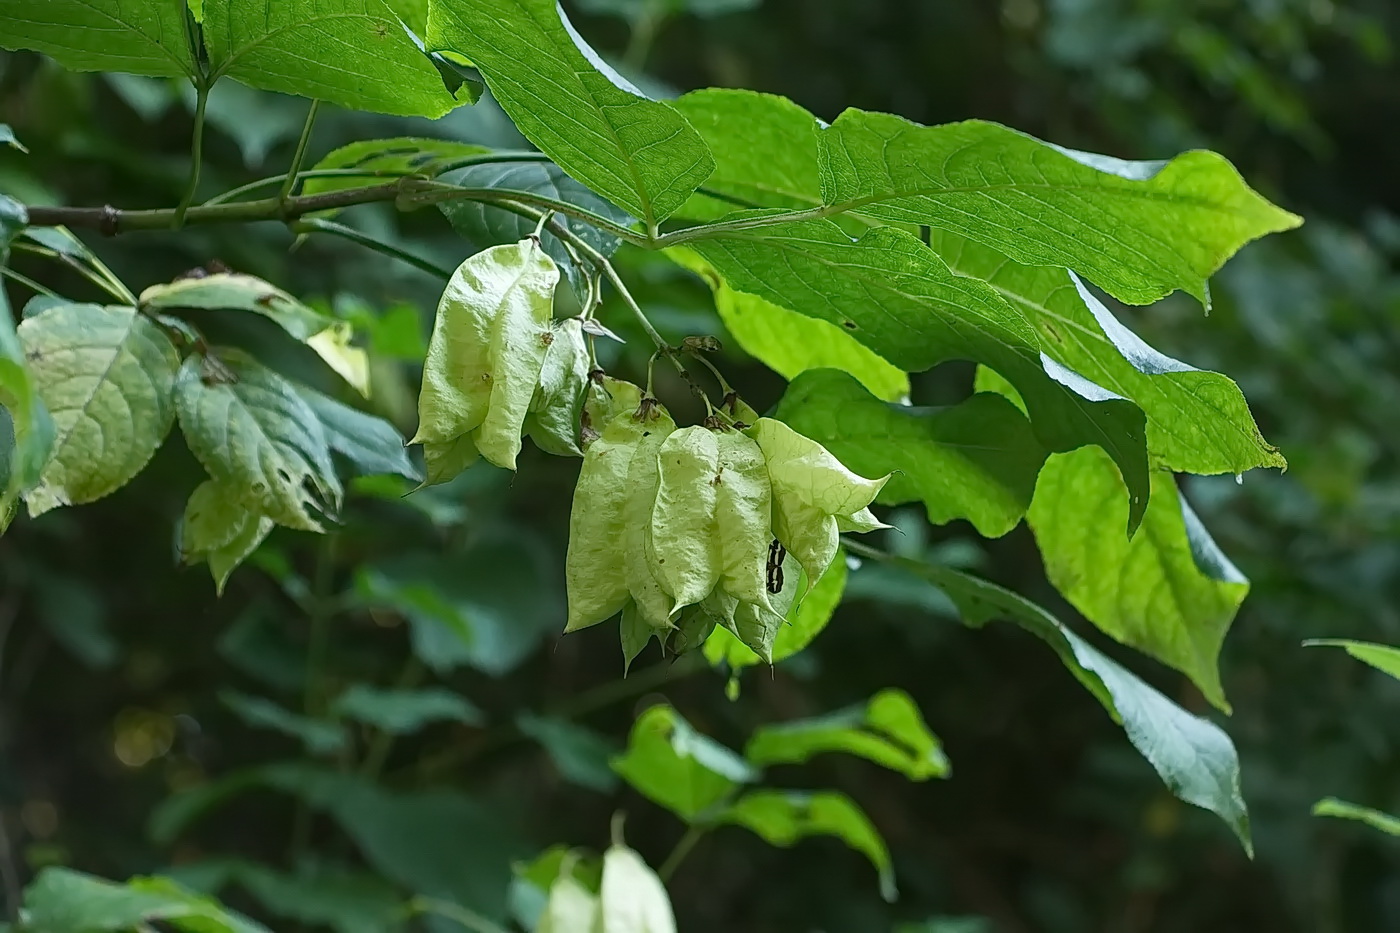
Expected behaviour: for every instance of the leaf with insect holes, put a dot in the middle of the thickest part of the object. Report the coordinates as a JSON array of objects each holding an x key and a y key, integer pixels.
[
  {"x": 595, "y": 573},
  {"x": 803, "y": 620},
  {"x": 354, "y": 53},
  {"x": 651, "y": 601},
  {"x": 257, "y": 438},
  {"x": 105, "y": 375},
  {"x": 490, "y": 338},
  {"x": 148, "y": 38},
  {"x": 672, "y": 765},
  {"x": 784, "y": 818},
  {"x": 632, "y": 899},
  {"x": 638, "y": 153},
  {"x": 557, "y": 405},
  {"x": 1139, "y": 230},
  {"x": 233, "y": 291},
  {"x": 887, "y": 729},
  {"x": 684, "y": 540}
]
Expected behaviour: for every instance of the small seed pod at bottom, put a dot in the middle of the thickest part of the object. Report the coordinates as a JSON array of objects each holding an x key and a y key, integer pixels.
[{"x": 694, "y": 626}]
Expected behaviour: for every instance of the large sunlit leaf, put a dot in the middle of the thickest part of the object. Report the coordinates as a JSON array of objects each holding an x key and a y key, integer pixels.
[
  {"x": 887, "y": 729},
  {"x": 354, "y": 53},
  {"x": 1139, "y": 230},
  {"x": 1169, "y": 592},
  {"x": 257, "y": 438},
  {"x": 105, "y": 376},
  {"x": 790, "y": 343},
  {"x": 148, "y": 37},
  {"x": 671, "y": 764},
  {"x": 1331, "y": 806},
  {"x": 1197, "y": 421},
  {"x": 65, "y": 901},
  {"x": 784, "y": 818},
  {"x": 976, "y": 460},
  {"x": 1381, "y": 657},
  {"x": 638, "y": 153},
  {"x": 897, "y": 297},
  {"x": 1193, "y": 756}
]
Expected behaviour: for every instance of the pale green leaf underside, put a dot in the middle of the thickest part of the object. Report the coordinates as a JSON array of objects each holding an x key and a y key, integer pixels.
[
  {"x": 135, "y": 36},
  {"x": 790, "y": 343},
  {"x": 897, "y": 297},
  {"x": 671, "y": 764},
  {"x": 638, "y": 153},
  {"x": 784, "y": 818},
  {"x": 976, "y": 460},
  {"x": 1139, "y": 230},
  {"x": 888, "y": 729},
  {"x": 1197, "y": 421},
  {"x": 1381, "y": 657},
  {"x": 105, "y": 376},
  {"x": 1193, "y": 756},
  {"x": 1153, "y": 592},
  {"x": 1331, "y": 806},
  {"x": 354, "y": 53}
]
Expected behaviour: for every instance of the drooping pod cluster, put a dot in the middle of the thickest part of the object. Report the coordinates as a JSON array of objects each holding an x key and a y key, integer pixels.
[
  {"x": 683, "y": 529},
  {"x": 499, "y": 366}
]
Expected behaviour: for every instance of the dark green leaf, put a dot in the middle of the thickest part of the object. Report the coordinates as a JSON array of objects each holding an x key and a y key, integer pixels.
[
  {"x": 346, "y": 901},
  {"x": 372, "y": 445},
  {"x": 1197, "y": 421},
  {"x": 404, "y": 711},
  {"x": 146, "y": 38},
  {"x": 354, "y": 53},
  {"x": 64, "y": 901},
  {"x": 976, "y": 460},
  {"x": 580, "y": 754},
  {"x": 391, "y": 158},
  {"x": 1331, "y": 806},
  {"x": 783, "y": 818},
  {"x": 319, "y": 737},
  {"x": 898, "y": 298},
  {"x": 888, "y": 729},
  {"x": 671, "y": 764},
  {"x": 638, "y": 153},
  {"x": 1168, "y": 592},
  {"x": 1139, "y": 230}
]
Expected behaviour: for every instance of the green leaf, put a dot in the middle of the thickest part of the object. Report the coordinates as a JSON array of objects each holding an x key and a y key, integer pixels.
[
  {"x": 346, "y": 901},
  {"x": 632, "y": 898},
  {"x": 783, "y": 818},
  {"x": 764, "y": 147},
  {"x": 804, "y": 622},
  {"x": 1193, "y": 756},
  {"x": 372, "y": 445},
  {"x": 391, "y": 158},
  {"x": 790, "y": 343},
  {"x": 897, "y": 297},
  {"x": 319, "y": 737},
  {"x": 148, "y": 38},
  {"x": 257, "y": 438},
  {"x": 888, "y": 729},
  {"x": 1139, "y": 230},
  {"x": 219, "y": 530},
  {"x": 8, "y": 138},
  {"x": 483, "y": 225},
  {"x": 638, "y": 153},
  {"x": 65, "y": 901},
  {"x": 354, "y": 53},
  {"x": 976, "y": 460},
  {"x": 580, "y": 755},
  {"x": 671, "y": 764},
  {"x": 1381, "y": 657},
  {"x": 402, "y": 712},
  {"x": 1331, "y": 806},
  {"x": 105, "y": 375},
  {"x": 1197, "y": 421},
  {"x": 1169, "y": 591},
  {"x": 231, "y": 291}
]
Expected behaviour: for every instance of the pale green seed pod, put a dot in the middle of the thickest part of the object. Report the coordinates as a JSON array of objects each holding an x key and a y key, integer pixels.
[
  {"x": 634, "y": 632},
  {"x": 595, "y": 568},
  {"x": 653, "y": 600},
  {"x": 686, "y": 548},
  {"x": 808, "y": 471},
  {"x": 859, "y": 522},
  {"x": 695, "y": 625},
  {"x": 743, "y": 517},
  {"x": 487, "y": 349},
  {"x": 606, "y": 397},
  {"x": 809, "y": 535},
  {"x": 553, "y": 421},
  {"x": 633, "y": 898}
]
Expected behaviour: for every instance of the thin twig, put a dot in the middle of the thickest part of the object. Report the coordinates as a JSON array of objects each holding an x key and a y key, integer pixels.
[
  {"x": 294, "y": 173},
  {"x": 196, "y": 155},
  {"x": 29, "y": 283},
  {"x": 322, "y": 225},
  {"x": 687, "y": 842}
]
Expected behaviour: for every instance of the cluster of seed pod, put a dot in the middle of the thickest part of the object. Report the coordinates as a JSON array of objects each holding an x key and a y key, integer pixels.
[{"x": 683, "y": 529}]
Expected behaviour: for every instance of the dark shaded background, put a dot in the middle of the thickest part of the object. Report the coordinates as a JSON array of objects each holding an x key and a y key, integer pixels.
[{"x": 113, "y": 659}]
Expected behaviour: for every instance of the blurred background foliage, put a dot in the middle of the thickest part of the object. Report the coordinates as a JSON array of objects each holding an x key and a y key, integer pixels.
[{"x": 136, "y": 733}]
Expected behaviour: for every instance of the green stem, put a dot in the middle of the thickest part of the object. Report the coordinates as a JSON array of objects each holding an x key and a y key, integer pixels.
[
  {"x": 321, "y": 225},
  {"x": 196, "y": 155},
  {"x": 422, "y": 192},
  {"x": 722, "y": 227},
  {"x": 274, "y": 180},
  {"x": 116, "y": 290},
  {"x": 687, "y": 842},
  {"x": 29, "y": 283},
  {"x": 470, "y": 919},
  {"x": 300, "y": 156}
]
